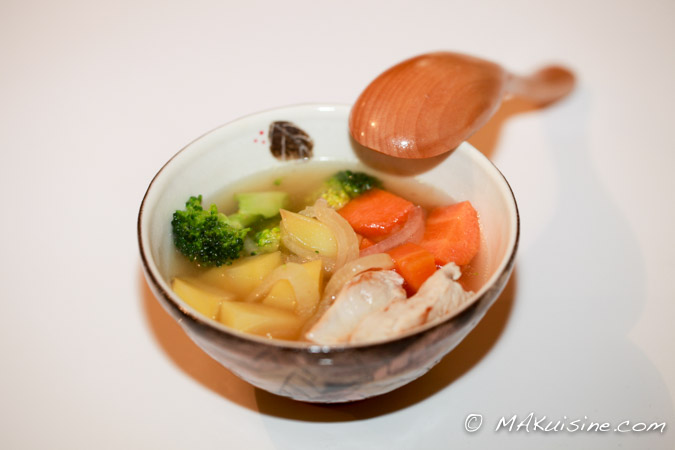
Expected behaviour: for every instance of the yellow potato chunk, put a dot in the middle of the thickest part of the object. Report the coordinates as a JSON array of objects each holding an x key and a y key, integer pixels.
[
  {"x": 306, "y": 233},
  {"x": 260, "y": 319},
  {"x": 203, "y": 298},
  {"x": 244, "y": 275},
  {"x": 315, "y": 270},
  {"x": 282, "y": 295}
]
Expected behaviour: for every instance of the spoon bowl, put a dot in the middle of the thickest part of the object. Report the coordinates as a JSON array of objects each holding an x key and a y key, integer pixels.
[{"x": 429, "y": 104}]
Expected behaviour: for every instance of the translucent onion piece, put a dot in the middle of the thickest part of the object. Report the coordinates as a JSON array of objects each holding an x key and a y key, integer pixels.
[
  {"x": 412, "y": 231},
  {"x": 305, "y": 290},
  {"x": 308, "y": 211},
  {"x": 349, "y": 271},
  {"x": 345, "y": 237}
]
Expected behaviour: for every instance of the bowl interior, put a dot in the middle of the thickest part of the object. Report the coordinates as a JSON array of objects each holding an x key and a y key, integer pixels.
[{"x": 239, "y": 149}]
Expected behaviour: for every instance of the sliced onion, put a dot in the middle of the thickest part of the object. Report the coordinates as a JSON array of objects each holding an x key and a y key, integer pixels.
[
  {"x": 308, "y": 211},
  {"x": 347, "y": 241},
  {"x": 306, "y": 292},
  {"x": 345, "y": 237},
  {"x": 412, "y": 231},
  {"x": 349, "y": 271}
]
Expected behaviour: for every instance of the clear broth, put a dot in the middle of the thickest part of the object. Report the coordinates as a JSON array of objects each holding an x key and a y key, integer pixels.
[{"x": 302, "y": 179}]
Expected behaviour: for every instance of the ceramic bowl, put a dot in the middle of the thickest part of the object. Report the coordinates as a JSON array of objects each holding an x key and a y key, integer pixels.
[{"x": 302, "y": 371}]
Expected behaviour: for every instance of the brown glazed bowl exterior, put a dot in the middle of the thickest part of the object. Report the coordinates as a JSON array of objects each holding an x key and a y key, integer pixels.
[{"x": 302, "y": 371}]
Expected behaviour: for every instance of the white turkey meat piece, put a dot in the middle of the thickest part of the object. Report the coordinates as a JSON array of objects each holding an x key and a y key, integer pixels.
[
  {"x": 440, "y": 296},
  {"x": 364, "y": 294}
]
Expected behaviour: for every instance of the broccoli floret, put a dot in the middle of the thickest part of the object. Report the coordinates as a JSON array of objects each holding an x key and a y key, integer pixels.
[
  {"x": 267, "y": 240},
  {"x": 356, "y": 183},
  {"x": 346, "y": 185},
  {"x": 206, "y": 236},
  {"x": 264, "y": 237},
  {"x": 333, "y": 192}
]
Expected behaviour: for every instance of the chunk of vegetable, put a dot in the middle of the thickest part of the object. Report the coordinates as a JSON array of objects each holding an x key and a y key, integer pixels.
[
  {"x": 239, "y": 220},
  {"x": 202, "y": 297},
  {"x": 266, "y": 240},
  {"x": 282, "y": 295},
  {"x": 414, "y": 264},
  {"x": 344, "y": 186},
  {"x": 305, "y": 289},
  {"x": 412, "y": 231},
  {"x": 305, "y": 236},
  {"x": 452, "y": 233},
  {"x": 260, "y": 319},
  {"x": 376, "y": 213},
  {"x": 206, "y": 236},
  {"x": 266, "y": 204},
  {"x": 244, "y": 275},
  {"x": 347, "y": 242}
]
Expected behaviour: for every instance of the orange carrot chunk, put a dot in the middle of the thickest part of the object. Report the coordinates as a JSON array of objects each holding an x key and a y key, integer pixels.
[
  {"x": 413, "y": 263},
  {"x": 376, "y": 212},
  {"x": 452, "y": 233}
]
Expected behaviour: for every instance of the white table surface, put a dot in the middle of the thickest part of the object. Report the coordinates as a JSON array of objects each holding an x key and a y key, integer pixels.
[{"x": 96, "y": 96}]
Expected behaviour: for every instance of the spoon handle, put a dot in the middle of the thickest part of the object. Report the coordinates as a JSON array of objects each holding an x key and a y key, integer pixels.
[{"x": 545, "y": 86}]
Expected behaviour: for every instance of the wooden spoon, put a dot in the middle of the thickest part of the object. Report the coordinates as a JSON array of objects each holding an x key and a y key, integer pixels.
[{"x": 429, "y": 104}]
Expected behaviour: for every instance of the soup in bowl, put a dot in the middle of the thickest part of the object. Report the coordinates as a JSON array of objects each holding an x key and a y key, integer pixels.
[{"x": 292, "y": 153}]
